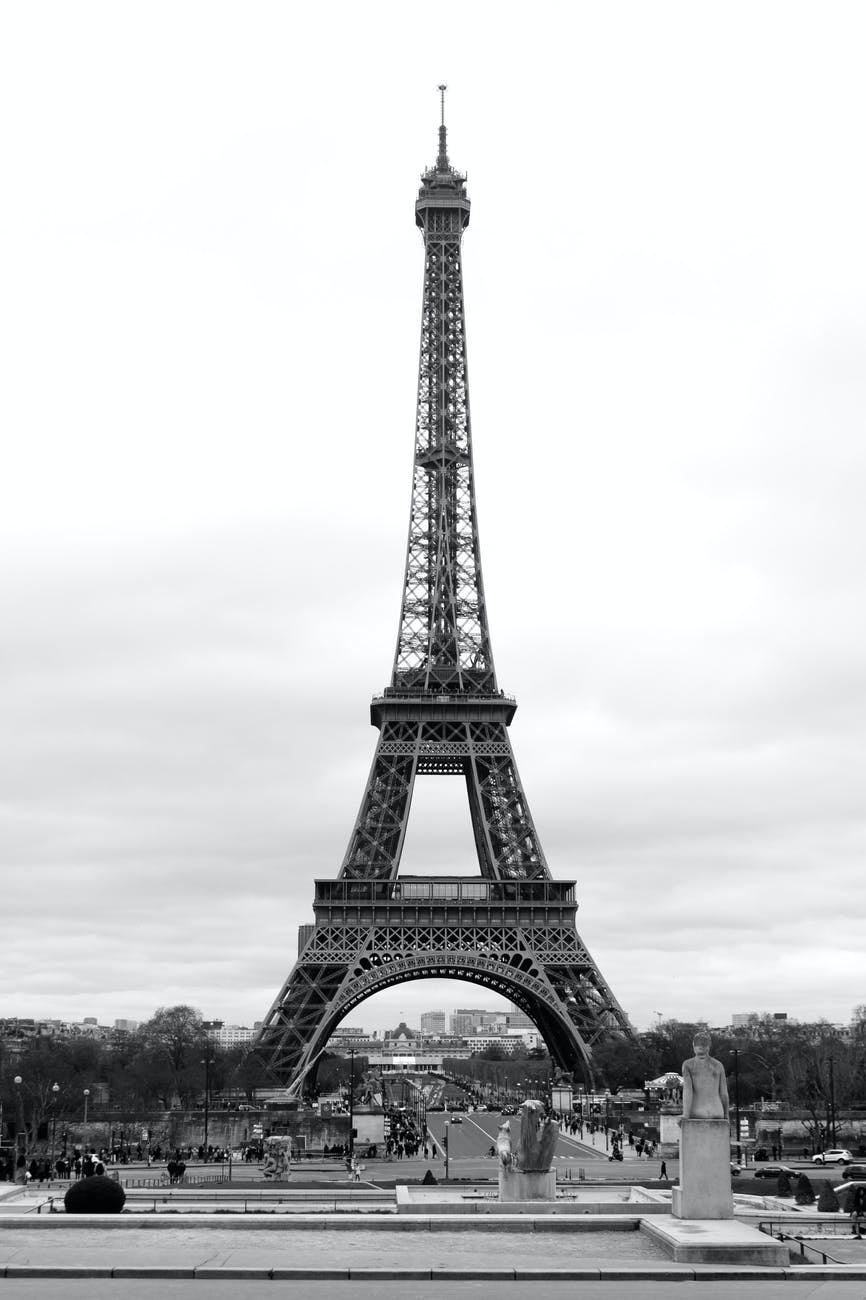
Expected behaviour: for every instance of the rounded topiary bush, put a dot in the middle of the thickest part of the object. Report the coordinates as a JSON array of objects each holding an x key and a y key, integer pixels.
[
  {"x": 828, "y": 1201},
  {"x": 95, "y": 1195},
  {"x": 783, "y": 1186},
  {"x": 804, "y": 1195}
]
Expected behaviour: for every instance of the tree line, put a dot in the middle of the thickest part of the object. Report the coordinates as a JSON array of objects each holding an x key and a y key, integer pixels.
[
  {"x": 809, "y": 1067},
  {"x": 163, "y": 1065}
]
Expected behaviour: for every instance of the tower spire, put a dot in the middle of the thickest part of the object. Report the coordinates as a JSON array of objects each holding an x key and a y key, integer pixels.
[{"x": 442, "y": 163}]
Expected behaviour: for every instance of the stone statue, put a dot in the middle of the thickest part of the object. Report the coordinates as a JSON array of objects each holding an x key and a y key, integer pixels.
[
  {"x": 503, "y": 1145},
  {"x": 526, "y": 1174},
  {"x": 705, "y": 1090},
  {"x": 704, "y": 1190},
  {"x": 538, "y": 1137}
]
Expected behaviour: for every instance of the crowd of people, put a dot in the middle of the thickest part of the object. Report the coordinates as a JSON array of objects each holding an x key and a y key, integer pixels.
[{"x": 403, "y": 1137}]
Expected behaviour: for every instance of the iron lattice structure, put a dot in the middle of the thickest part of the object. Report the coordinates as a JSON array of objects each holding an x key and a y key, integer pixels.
[{"x": 513, "y": 928}]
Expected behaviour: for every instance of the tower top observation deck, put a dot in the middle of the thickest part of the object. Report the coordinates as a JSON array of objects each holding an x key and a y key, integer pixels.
[{"x": 442, "y": 186}]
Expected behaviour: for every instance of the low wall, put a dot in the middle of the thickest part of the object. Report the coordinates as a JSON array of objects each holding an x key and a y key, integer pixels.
[{"x": 227, "y": 1128}]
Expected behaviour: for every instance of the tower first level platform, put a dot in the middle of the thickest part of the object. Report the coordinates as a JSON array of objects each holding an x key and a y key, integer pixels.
[{"x": 515, "y": 937}]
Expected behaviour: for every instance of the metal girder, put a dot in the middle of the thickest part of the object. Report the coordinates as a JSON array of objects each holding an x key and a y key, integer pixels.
[
  {"x": 505, "y": 836},
  {"x": 547, "y": 972}
]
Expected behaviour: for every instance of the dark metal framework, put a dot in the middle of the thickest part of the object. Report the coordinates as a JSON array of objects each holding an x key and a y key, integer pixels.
[{"x": 513, "y": 928}]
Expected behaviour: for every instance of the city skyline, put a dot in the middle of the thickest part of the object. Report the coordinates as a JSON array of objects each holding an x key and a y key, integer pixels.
[{"x": 209, "y": 465}]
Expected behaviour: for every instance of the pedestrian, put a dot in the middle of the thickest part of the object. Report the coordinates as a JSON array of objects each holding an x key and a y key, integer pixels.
[
  {"x": 857, "y": 1210},
  {"x": 663, "y": 1172}
]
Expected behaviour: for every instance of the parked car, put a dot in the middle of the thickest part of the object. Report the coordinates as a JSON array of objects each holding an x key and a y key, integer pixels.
[
  {"x": 838, "y": 1156},
  {"x": 773, "y": 1171}
]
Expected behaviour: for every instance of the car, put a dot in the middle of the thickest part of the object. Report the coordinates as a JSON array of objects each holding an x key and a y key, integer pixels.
[
  {"x": 837, "y": 1156},
  {"x": 508, "y": 1110},
  {"x": 774, "y": 1171},
  {"x": 735, "y": 1168},
  {"x": 855, "y": 1173},
  {"x": 456, "y": 1119}
]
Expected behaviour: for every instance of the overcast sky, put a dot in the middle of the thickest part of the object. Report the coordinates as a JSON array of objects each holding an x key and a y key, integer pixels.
[{"x": 210, "y": 311}]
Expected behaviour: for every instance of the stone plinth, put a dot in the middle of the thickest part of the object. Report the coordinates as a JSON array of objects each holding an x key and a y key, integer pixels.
[
  {"x": 700, "y": 1241},
  {"x": 669, "y": 1131},
  {"x": 705, "y": 1171},
  {"x": 526, "y": 1184}
]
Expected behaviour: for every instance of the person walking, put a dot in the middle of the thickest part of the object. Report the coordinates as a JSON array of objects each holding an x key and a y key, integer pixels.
[{"x": 663, "y": 1172}]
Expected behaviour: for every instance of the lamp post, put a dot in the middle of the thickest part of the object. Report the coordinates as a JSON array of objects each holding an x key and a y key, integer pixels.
[
  {"x": 55, "y": 1088},
  {"x": 736, "y": 1055},
  {"x": 832, "y": 1116},
  {"x": 352, "y": 1103},
  {"x": 446, "y": 1151},
  {"x": 207, "y": 1062},
  {"x": 84, "y": 1140},
  {"x": 20, "y": 1131}
]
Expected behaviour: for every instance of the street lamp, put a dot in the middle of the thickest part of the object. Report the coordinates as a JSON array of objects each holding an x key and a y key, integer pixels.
[
  {"x": 735, "y": 1051},
  {"x": 832, "y": 1104},
  {"x": 55, "y": 1088},
  {"x": 446, "y": 1150},
  {"x": 207, "y": 1063},
  {"x": 86, "y": 1100},
  {"x": 352, "y": 1104},
  {"x": 20, "y": 1132}
]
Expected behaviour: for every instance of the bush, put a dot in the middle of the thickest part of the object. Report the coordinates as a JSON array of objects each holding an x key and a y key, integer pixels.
[
  {"x": 95, "y": 1195},
  {"x": 783, "y": 1186},
  {"x": 804, "y": 1195},
  {"x": 828, "y": 1201}
]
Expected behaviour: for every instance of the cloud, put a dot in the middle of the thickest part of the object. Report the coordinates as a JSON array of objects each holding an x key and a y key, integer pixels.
[{"x": 210, "y": 324}]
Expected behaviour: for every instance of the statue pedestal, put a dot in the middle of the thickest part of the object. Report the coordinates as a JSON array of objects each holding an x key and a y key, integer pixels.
[
  {"x": 669, "y": 1131},
  {"x": 526, "y": 1184},
  {"x": 705, "y": 1171}
]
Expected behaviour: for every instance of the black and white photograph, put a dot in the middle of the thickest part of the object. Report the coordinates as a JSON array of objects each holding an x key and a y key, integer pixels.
[{"x": 416, "y": 804}]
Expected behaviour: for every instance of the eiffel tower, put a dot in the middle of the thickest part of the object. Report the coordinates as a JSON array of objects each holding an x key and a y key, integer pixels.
[{"x": 511, "y": 928}]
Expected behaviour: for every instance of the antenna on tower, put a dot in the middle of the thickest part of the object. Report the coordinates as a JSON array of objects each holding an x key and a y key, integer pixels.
[{"x": 442, "y": 160}]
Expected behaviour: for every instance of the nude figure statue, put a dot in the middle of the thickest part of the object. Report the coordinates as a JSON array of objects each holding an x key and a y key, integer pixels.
[{"x": 705, "y": 1089}]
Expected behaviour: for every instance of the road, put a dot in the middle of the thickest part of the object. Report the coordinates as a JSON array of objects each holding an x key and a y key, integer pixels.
[{"x": 471, "y": 1137}]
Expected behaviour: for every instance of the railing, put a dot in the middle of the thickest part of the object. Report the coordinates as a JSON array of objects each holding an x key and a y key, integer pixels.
[
  {"x": 809, "y": 1252},
  {"x": 446, "y": 697},
  {"x": 445, "y": 889}
]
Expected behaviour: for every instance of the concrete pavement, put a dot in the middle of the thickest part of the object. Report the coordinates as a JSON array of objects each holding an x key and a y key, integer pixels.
[{"x": 713, "y": 1287}]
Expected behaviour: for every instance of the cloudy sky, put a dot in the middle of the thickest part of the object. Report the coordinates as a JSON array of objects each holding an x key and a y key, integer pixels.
[{"x": 210, "y": 309}]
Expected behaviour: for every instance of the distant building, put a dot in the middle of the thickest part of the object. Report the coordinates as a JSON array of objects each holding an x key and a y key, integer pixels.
[
  {"x": 465, "y": 1020},
  {"x": 518, "y": 1020},
  {"x": 228, "y": 1035},
  {"x": 743, "y": 1019},
  {"x": 433, "y": 1022},
  {"x": 509, "y": 1043}
]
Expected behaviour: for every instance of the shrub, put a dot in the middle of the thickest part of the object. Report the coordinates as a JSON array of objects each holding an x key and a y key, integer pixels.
[
  {"x": 95, "y": 1195},
  {"x": 828, "y": 1201},
  {"x": 804, "y": 1195},
  {"x": 783, "y": 1186}
]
